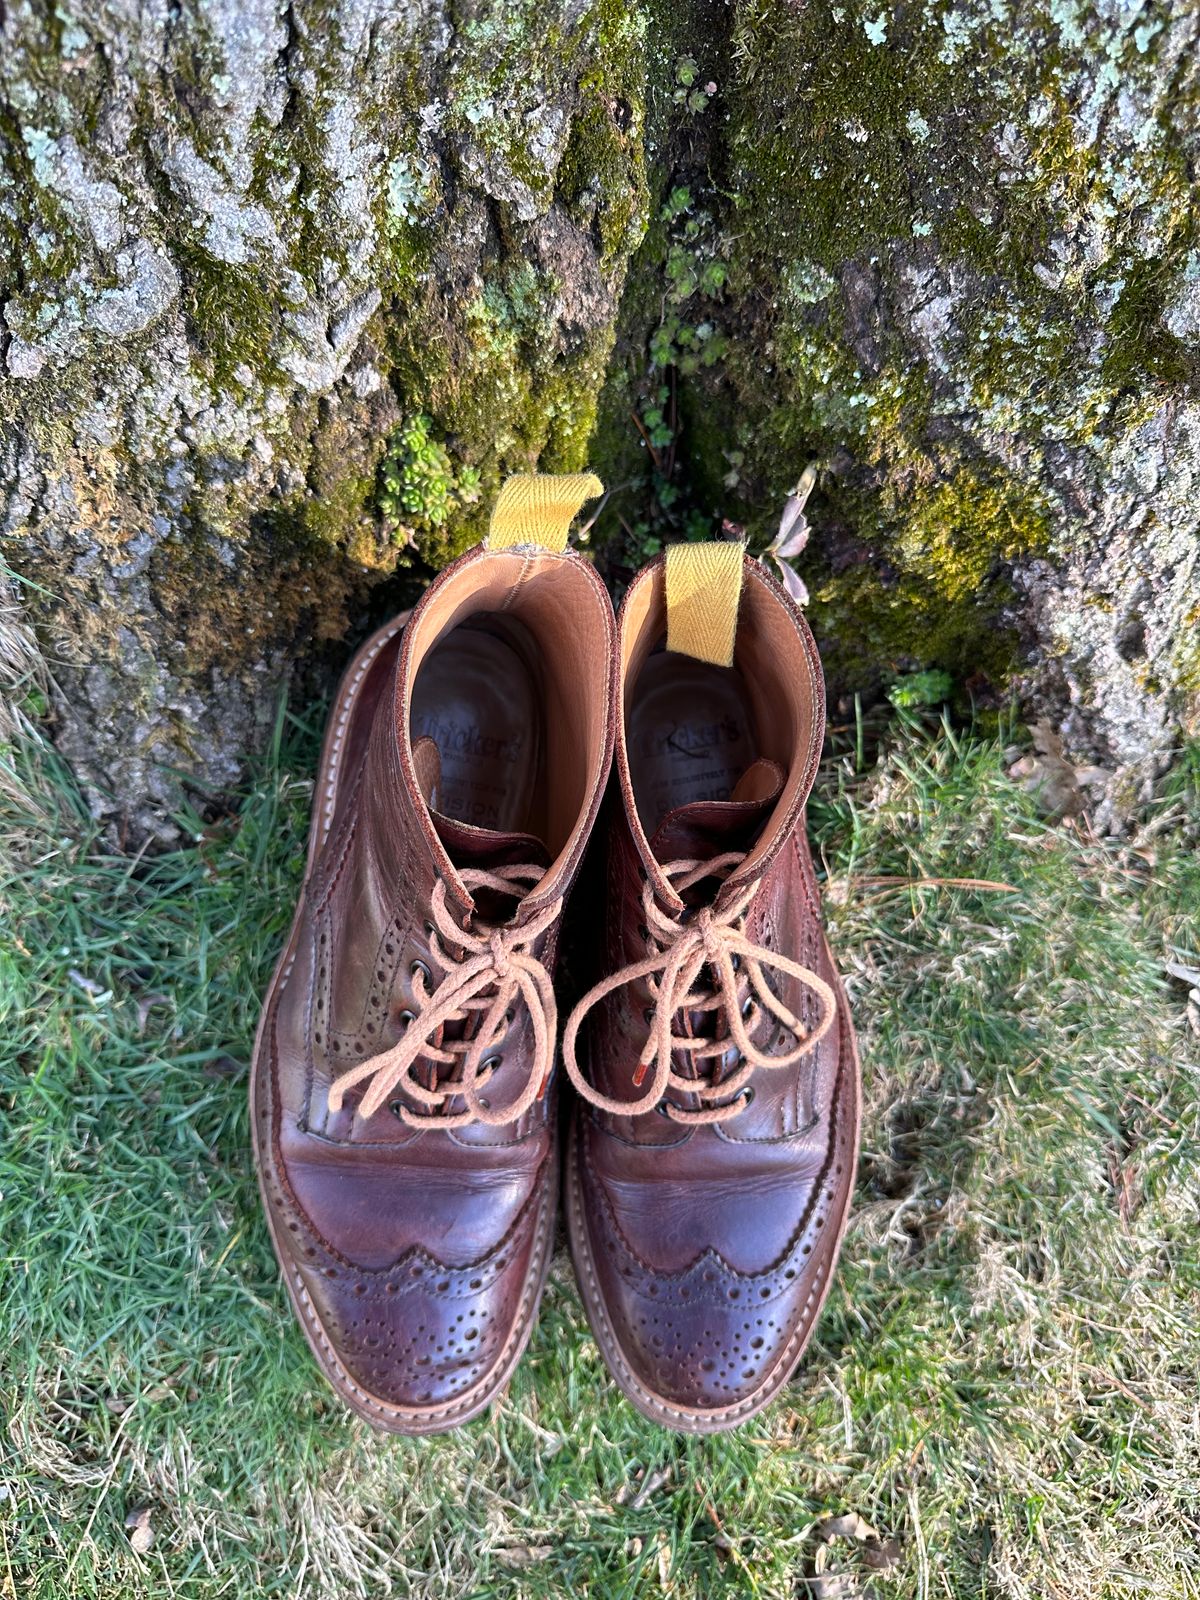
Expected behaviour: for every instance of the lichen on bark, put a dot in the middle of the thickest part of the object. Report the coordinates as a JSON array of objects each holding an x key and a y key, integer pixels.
[
  {"x": 961, "y": 248},
  {"x": 246, "y": 242}
]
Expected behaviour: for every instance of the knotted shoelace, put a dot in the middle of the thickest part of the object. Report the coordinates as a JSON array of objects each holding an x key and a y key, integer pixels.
[
  {"x": 495, "y": 969},
  {"x": 712, "y": 942}
]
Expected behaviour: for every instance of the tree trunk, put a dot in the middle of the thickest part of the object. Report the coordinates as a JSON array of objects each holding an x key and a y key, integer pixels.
[
  {"x": 294, "y": 286},
  {"x": 950, "y": 254},
  {"x": 257, "y": 248}
]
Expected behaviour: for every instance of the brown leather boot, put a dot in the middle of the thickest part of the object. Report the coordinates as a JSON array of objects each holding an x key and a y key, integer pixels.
[
  {"x": 712, "y": 1155},
  {"x": 403, "y": 1128}
]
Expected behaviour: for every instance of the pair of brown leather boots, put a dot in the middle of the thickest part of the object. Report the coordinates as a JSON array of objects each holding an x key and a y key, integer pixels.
[{"x": 404, "y": 1096}]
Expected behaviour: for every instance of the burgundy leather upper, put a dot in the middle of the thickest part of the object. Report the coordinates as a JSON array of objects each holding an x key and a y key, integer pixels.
[
  {"x": 707, "y": 1249},
  {"x": 414, "y": 1256}
]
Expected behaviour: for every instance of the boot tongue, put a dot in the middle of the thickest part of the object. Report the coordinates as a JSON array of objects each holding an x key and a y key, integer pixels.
[
  {"x": 466, "y": 845},
  {"x": 708, "y": 828}
]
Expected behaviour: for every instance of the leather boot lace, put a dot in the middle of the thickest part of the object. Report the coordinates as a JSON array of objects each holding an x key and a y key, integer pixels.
[
  {"x": 486, "y": 969},
  {"x": 702, "y": 961}
]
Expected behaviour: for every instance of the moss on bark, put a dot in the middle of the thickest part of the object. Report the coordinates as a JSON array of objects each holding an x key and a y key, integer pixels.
[
  {"x": 248, "y": 249},
  {"x": 957, "y": 248}
]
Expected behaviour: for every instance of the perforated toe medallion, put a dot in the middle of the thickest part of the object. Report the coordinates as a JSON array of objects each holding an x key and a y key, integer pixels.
[{"x": 421, "y": 1336}]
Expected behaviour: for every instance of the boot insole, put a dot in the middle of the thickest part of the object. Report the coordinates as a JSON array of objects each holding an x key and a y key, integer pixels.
[
  {"x": 476, "y": 697},
  {"x": 690, "y": 735}
]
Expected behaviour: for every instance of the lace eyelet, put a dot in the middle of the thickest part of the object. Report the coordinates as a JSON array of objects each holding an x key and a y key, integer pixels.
[
  {"x": 406, "y": 1018},
  {"x": 746, "y": 1095},
  {"x": 663, "y": 1110},
  {"x": 422, "y": 968},
  {"x": 491, "y": 1064},
  {"x": 643, "y": 931},
  {"x": 396, "y": 1107},
  {"x": 648, "y": 1015},
  {"x": 429, "y": 929},
  {"x": 748, "y": 1006},
  {"x": 735, "y": 961}
]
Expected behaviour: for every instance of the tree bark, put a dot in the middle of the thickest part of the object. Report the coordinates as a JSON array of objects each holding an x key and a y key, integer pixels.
[
  {"x": 292, "y": 287},
  {"x": 950, "y": 254},
  {"x": 255, "y": 247}
]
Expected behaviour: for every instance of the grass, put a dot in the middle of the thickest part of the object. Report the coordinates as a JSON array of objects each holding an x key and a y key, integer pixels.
[{"x": 1004, "y": 1384}]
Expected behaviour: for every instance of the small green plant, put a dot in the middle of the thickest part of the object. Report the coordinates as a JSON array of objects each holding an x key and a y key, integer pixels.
[
  {"x": 916, "y": 691},
  {"x": 695, "y": 268},
  {"x": 654, "y": 418},
  {"x": 676, "y": 204},
  {"x": 687, "y": 346},
  {"x": 688, "y": 92},
  {"x": 420, "y": 488},
  {"x": 688, "y": 272}
]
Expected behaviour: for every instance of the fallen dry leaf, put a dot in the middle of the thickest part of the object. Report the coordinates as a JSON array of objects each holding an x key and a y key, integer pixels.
[
  {"x": 524, "y": 1555},
  {"x": 881, "y": 1554},
  {"x": 1184, "y": 972},
  {"x": 1055, "y": 783},
  {"x": 89, "y": 986},
  {"x": 635, "y": 1496},
  {"x": 848, "y": 1526},
  {"x": 145, "y": 1005},
  {"x": 833, "y": 1586},
  {"x": 223, "y": 1067},
  {"x": 793, "y": 536},
  {"x": 141, "y": 1534}
]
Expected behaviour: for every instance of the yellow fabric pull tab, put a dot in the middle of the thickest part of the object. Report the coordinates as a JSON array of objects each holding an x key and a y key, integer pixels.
[
  {"x": 535, "y": 508},
  {"x": 704, "y": 586}
]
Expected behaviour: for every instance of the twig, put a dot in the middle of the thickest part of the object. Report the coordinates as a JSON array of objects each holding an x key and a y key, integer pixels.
[
  {"x": 1100, "y": 1375},
  {"x": 224, "y": 1256},
  {"x": 654, "y": 455},
  {"x": 931, "y": 883},
  {"x": 586, "y": 527}
]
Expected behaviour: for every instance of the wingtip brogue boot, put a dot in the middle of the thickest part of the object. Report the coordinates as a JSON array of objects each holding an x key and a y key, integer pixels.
[
  {"x": 403, "y": 1115},
  {"x": 712, "y": 1154}
]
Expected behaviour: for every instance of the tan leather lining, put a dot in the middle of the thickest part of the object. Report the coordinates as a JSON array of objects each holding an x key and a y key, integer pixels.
[
  {"x": 787, "y": 711},
  {"x": 562, "y": 605},
  {"x": 690, "y": 734}
]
